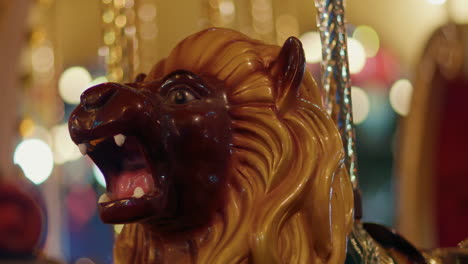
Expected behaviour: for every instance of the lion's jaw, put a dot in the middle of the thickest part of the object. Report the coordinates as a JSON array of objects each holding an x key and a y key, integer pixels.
[{"x": 164, "y": 160}]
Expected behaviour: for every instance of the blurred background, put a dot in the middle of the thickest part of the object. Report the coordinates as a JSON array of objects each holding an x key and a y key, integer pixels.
[{"x": 409, "y": 77}]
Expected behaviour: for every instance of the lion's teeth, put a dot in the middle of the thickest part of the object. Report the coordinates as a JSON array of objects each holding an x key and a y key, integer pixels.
[
  {"x": 119, "y": 139},
  {"x": 83, "y": 148},
  {"x": 138, "y": 192},
  {"x": 104, "y": 198}
]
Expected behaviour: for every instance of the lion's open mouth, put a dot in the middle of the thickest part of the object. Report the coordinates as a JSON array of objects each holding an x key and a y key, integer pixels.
[{"x": 131, "y": 189}]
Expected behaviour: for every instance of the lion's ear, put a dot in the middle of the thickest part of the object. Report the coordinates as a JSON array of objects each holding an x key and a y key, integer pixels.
[{"x": 288, "y": 70}]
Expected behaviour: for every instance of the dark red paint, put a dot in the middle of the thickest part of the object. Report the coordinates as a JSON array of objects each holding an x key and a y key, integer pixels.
[{"x": 178, "y": 128}]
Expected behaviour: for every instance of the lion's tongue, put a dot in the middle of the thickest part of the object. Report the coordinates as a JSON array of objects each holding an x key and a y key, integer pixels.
[{"x": 127, "y": 181}]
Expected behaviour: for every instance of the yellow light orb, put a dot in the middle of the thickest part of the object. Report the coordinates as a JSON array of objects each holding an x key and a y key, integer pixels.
[
  {"x": 147, "y": 12},
  {"x": 26, "y": 127},
  {"x": 35, "y": 158},
  {"x": 368, "y": 38},
  {"x": 356, "y": 55},
  {"x": 361, "y": 104},
  {"x": 42, "y": 59},
  {"x": 312, "y": 46},
  {"x": 227, "y": 8},
  {"x": 458, "y": 10},
  {"x": 400, "y": 96},
  {"x": 73, "y": 82},
  {"x": 64, "y": 148}
]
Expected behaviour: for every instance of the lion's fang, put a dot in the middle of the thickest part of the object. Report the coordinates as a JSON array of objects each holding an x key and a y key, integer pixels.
[
  {"x": 104, "y": 198},
  {"x": 119, "y": 139},
  {"x": 83, "y": 148}
]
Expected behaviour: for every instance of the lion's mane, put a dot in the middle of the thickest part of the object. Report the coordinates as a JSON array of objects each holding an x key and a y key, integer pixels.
[{"x": 289, "y": 199}]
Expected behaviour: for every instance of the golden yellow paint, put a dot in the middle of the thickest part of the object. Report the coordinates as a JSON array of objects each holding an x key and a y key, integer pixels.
[{"x": 289, "y": 196}]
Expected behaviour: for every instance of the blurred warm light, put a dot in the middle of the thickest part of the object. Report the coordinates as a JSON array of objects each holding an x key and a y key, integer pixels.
[
  {"x": 147, "y": 12},
  {"x": 72, "y": 84},
  {"x": 99, "y": 176},
  {"x": 361, "y": 104},
  {"x": 129, "y": 3},
  {"x": 108, "y": 16},
  {"x": 118, "y": 228},
  {"x": 400, "y": 96},
  {"x": 84, "y": 261},
  {"x": 368, "y": 38},
  {"x": 35, "y": 158},
  {"x": 26, "y": 127},
  {"x": 42, "y": 133},
  {"x": 98, "y": 80},
  {"x": 121, "y": 21},
  {"x": 436, "y": 2},
  {"x": 109, "y": 37},
  {"x": 262, "y": 15},
  {"x": 103, "y": 51},
  {"x": 119, "y": 3},
  {"x": 42, "y": 59},
  {"x": 458, "y": 10},
  {"x": 227, "y": 7},
  {"x": 64, "y": 148},
  {"x": 356, "y": 55},
  {"x": 312, "y": 46},
  {"x": 130, "y": 31}
]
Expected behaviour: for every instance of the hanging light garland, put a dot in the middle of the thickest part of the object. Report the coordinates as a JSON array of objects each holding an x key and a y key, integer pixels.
[
  {"x": 336, "y": 77},
  {"x": 147, "y": 35},
  {"x": 120, "y": 40},
  {"x": 262, "y": 20},
  {"x": 219, "y": 13}
]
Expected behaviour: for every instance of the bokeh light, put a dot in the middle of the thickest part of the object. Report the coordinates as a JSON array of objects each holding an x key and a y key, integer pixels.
[
  {"x": 458, "y": 10},
  {"x": 227, "y": 7},
  {"x": 312, "y": 46},
  {"x": 361, "y": 104},
  {"x": 98, "y": 80},
  {"x": 73, "y": 82},
  {"x": 35, "y": 158},
  {"x": 42, "y": 59},
  {"x": 400, "y": 96},
  {"x": 64, "y": 148},
  {"x": 26, "y": 127},
  {"x": 357, "y": 56},
  {"x": 147, "y": 12},
  {"x": 368, "y": 38},
  {"x": 99, "y": 176}
]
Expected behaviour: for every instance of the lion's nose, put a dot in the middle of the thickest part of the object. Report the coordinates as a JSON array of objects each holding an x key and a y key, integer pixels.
[{"x": 97, "y": 96}]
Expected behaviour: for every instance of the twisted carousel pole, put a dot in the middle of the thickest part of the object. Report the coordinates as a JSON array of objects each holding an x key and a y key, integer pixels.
[{"x": 335, "y": 76}]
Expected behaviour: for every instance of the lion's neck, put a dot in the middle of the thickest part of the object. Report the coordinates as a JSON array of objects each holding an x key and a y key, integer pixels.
[{"x": 137, "y": 244}]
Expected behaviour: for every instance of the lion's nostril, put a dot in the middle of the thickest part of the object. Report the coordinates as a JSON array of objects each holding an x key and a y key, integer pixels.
[{"x": 97, "y": 96}]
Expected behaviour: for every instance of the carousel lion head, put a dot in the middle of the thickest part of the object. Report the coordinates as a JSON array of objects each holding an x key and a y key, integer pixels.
[{"x": 222, "y": 154}]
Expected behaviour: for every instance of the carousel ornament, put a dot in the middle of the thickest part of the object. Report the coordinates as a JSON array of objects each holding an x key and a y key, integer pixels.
[
  {"x": 225, "y": 152},
  {"x": 222, "y": 154}
]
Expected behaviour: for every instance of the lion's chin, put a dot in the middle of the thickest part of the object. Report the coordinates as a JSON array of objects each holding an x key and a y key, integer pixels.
[{"x": 129, "y": 210}]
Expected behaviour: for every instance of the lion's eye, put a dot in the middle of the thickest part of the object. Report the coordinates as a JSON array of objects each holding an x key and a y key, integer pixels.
[{"x": 180, "y": 97}]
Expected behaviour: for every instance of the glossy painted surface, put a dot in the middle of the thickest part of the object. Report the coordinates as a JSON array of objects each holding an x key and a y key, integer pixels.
[
  {"x": 181, "y": 125},
  {"x": 228, "y": 140}
]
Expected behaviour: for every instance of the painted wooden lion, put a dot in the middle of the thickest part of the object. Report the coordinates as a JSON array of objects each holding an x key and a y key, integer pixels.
[{"x": 221, "y": 154}]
